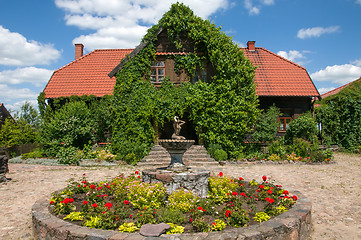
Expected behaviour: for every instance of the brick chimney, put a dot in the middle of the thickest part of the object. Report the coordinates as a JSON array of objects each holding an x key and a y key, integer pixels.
[
  {"x": 251, "y": 45},
  {"x": 78, "y": 50}
]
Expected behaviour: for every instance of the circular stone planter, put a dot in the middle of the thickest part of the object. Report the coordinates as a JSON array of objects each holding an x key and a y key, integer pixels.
[{"x": 293, "y": 224}]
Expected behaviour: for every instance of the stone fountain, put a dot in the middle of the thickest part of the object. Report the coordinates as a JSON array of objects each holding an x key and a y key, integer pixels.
[{"x": 177, "y": 174}]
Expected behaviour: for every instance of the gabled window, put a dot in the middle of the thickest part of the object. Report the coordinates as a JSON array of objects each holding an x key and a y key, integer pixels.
[{"x": 157, "y": 71}]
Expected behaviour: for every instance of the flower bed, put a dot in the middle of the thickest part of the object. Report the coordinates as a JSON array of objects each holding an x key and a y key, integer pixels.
[{"x": 127, "y": 203}]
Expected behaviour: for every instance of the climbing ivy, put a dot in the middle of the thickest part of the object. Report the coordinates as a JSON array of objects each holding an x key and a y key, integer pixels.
[{"x": 221, "y": 110}]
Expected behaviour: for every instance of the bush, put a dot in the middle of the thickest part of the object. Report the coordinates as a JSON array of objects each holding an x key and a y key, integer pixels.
[
  {"x": 212, "y": 148},
  {"x": 220, "y": 155},
  {"x": 267, "y": 126},
  {"x": 12, "y": 134},
  {"x": 68, "y": 155},
  {"x": 70, "y": 126},
  {"x": 37, "y": 153},
  {"x": 304, "y": 127},
  {"x": 300, "y": 147}
]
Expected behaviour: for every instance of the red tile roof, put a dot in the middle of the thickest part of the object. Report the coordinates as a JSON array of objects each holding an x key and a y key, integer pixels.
[
  {"x": 277, "y": 76},
  {"x": 337, "y": 90},
  {"x": 87, "y": 75}
]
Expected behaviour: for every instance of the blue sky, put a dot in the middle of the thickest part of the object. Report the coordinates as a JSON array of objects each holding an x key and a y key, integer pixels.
[{"x": 38, "y": 36}]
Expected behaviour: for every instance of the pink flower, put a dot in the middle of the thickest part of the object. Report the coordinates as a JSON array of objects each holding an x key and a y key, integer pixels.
[{"x": 264, "y": 178}]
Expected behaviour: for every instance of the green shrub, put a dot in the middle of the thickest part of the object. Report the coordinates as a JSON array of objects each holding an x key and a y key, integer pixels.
[
  {"x": 12, "y": 134},
  {"x": 220, "y": 155},
  {"x": 168, "y": 215},
  {"x": 200, "y": 225},
  {"x": 72, "y": 125},
  {"x": 267, "y": 126},
  {"x": 278, "y": 148},
  {"x": 37, "y": 153},
  {"x": 212, "y": 148},
  {"x": 68, "y": 155},
  {"x": 304, "y": 127},
  {"x": 182, "y": 200},
  {"x": 300, "y": 147}
]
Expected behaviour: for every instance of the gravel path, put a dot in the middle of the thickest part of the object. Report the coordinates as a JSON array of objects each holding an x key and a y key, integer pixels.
[{"x": 334, "y": 190}]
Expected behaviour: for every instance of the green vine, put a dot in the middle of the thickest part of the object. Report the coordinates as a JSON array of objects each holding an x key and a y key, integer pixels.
[{"x": 221, "y": 110}]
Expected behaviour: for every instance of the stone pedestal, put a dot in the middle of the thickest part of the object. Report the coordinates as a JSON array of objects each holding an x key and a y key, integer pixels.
[
  {"x": 176, "y": 149},
  {"x": 195, "y": 181}
]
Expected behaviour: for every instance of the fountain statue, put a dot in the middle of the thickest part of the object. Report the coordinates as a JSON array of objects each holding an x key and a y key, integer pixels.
[{"x": 177, "y": 174}]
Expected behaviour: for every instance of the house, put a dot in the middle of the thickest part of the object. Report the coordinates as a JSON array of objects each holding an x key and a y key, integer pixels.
[
  {"x": 278, "y": 81},
  {"x": 4, "y": 114},
  {"x": 337, "y": 90}
]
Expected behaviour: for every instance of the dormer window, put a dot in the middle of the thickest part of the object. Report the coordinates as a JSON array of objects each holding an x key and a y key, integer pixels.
[{"x": 157, "y": 71}]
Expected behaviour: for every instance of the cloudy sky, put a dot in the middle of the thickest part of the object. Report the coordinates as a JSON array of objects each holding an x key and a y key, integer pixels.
[{"x": 38, "y": 36}]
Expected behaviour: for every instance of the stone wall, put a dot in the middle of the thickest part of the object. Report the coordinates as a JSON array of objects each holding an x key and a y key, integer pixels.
[
  {"x": 292, "y": 225},
  {"x": 3, "y": 165}
]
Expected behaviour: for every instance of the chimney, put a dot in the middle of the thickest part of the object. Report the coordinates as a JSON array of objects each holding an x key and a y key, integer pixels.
[
  {"x": 78, "y": 50},
  {"x": 251, "y": 45}
]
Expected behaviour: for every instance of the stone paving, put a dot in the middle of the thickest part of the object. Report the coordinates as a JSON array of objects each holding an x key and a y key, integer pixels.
[{"x": 334, "y": 190}]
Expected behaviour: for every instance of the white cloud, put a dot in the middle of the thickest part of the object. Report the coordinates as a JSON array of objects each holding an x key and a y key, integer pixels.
[
  {"x": 358, "y": 2},
  {"x": 9, "y": 94},
  {"x": 122, "y": 24},
  {"x": 294, "y": 56},
  {"x": 16, "y": 50},
  {"x": 254, "y": 6},
  {"x": 35, "y": 76},
  {"x": 339, "y": 74},
  {"x": 325, "y": 90},
  {"x": 357, "y": 62},
  {"x": 316, "y": 31}
]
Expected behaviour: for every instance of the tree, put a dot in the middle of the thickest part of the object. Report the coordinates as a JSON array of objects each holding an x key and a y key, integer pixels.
[
  {"x": 267, "y": 126},
  {"x": 28, "y": 115}
]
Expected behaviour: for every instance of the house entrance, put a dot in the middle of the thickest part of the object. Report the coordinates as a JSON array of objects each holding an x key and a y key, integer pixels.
[{"x": 188, "y": 130}]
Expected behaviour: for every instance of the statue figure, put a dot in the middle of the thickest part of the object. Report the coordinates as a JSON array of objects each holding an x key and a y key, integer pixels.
[{"x": 177, "y": 126}]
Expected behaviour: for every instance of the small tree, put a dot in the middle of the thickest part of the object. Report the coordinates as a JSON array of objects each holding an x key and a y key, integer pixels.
[
  {"x": 267, "y": 126},
  {"x": 72, "y": 125},
  {"x": 12, "y": 134},
  {"x": 304, "y": 127}
]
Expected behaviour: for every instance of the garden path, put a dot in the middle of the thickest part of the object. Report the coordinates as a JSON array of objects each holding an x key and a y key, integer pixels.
[{"x": 334, "y": 190}]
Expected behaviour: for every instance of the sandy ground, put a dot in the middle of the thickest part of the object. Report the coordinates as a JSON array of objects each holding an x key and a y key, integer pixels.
[{"x": 334, "y": 190}]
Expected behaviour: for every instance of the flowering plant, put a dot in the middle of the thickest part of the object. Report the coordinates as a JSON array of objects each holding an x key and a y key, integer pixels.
[{"x": 127, "y": 203}]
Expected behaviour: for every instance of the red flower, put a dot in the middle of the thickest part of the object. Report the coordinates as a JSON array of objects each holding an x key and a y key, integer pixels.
[
  {"x": 264, "y": 178},
  {"x": 85, "y": 185},
  {"x": 71, "y": 200},
  {"x": 99, "y": 188},
  {"x": 271, "y": 200},
  {"x": 51, "y": 202},
  {"x": 220, "y": 174},
  {"x": 66, "y": 200},
  {"x": 104, "y": 212},
  {"x": 92, "y": 186},
  {"x": 95, "y": 205},
  {"x": 286, "y": 197},
  {"x": 85, "y": 202},
  {"x": 79, "y": 185},
  {"x": 108, "y": 205},
  {"x": 242, "y": 184},
  {"x": 285, "y": 192},
  {"x": 228, "y": 213},
  {"x": 201, "y": 209},
  {"x": 241, "y": 179},
  {"x": 130, "y": 215},
  {"x": 190, "y": 219},
  {"x": 83, "y": 174},
  {"x": 295, "y": 197},
  {"x": 126, "y": 202},
  {"x": 261, "y": 186},
  {"x": 136, "y": 172},
  {"x": 234, "y": 193},
  {"x": 269, "y": 191},
  {"x": 243, "y": 194},
  {"x": 138, "y": 176}
]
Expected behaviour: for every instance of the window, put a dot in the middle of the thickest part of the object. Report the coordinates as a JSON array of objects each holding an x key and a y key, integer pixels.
[
  {"x": 157, "y": 71},
  {"x": 285, "y": 120},
  {"x": 284, "y": 123},
  {"x": 199, "y": 75}
]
